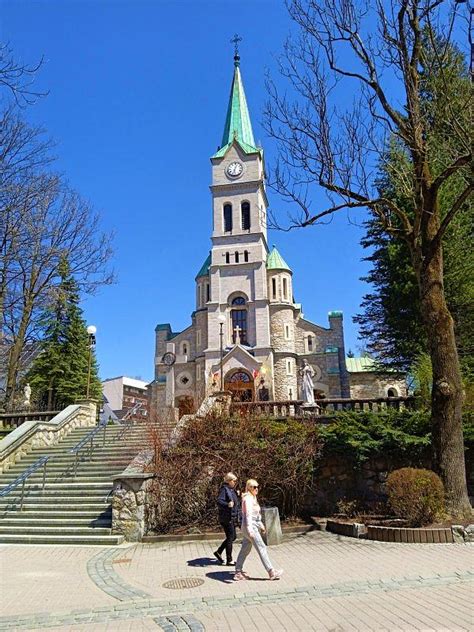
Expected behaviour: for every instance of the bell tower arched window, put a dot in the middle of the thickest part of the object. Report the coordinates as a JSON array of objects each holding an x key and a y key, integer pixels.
[
  {"x": 245, "y": 213},
  {"x": 238, "y": 313},
  {"x": 227, "y": 217}
]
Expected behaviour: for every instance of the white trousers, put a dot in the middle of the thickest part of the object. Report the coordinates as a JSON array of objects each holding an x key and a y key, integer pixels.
[{"x": 247, "y": 544}]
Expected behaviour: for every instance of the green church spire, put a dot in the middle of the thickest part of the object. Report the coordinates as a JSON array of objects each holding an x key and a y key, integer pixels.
[{"x": 237, "y": 123}]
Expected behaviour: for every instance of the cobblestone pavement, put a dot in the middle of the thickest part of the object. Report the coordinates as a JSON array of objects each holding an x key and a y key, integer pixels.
[{"x": 330, "y": 584}]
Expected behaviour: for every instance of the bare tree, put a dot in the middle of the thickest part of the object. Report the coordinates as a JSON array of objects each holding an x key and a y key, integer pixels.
[
  {"x": 17, "y": 78},
  {"x": 368, "y": 56},
  {"x": 56, "y": 223}
]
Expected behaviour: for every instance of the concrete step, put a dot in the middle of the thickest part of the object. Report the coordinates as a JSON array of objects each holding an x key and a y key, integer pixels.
[
  {"x": 74, "y": 487},
  {"x": 27, "y": 522},
  {"x": 82, "y": 470},
  {"x": 68, "y": 504},
  {"x": 61, "y": 497},
  {"x": 93, "y": 476},
  {"x": 67, "y": 458},
  {"x": 47, "y": 530},
  {"x": 98, "y": 513},
  {"x": 104, "y": 540}
]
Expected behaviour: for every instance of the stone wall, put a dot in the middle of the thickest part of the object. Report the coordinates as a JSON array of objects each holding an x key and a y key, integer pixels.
[
  {"x": 337, "y": 478},
  {"x": 368, "y": 384},
  {"x": 129, "y": 500}
]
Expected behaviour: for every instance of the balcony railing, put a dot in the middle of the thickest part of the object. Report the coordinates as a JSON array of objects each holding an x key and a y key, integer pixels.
[
  {"x": 322, "y": 407},
  {"x": 15, "y": 419}
]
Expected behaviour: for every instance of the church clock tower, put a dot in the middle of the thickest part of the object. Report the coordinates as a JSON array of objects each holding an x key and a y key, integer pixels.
[{"x": 237, "y": 270}]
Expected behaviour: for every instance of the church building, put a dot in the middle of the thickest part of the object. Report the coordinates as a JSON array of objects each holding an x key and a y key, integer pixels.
[{"x": 246, "y": 329}]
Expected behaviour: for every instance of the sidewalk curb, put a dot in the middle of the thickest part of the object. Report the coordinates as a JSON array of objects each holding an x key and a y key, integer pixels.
[{"x": 217, "y": 535}]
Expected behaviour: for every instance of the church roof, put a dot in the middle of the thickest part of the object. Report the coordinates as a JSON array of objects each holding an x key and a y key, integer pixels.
[
  {"x": 204, "y": 271},
  {"x": 364, "y": 364},
  {"x": 238, "y": 126},
  {"x": 276, "y": 262}
]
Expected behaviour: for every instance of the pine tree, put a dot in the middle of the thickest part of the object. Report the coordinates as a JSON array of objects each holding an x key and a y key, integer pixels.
[{"x": 59, "y": 374}]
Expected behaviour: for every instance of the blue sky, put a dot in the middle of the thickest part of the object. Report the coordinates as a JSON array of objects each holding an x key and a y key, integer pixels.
[{"x": 137, "y": 100}]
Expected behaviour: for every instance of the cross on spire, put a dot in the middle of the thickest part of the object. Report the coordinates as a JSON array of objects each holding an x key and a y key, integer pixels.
[{"x": 235, "y": 41}]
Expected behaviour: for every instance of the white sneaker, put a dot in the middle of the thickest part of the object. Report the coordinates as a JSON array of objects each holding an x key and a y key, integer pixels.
[{"x": 275, "y": 574}]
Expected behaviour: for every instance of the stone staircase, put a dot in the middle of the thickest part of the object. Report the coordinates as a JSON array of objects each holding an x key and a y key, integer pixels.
[{"x": 71, "y": 509}]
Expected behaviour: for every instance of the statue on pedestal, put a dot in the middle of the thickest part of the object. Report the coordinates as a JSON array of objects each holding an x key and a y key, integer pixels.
[
  {"x": 27, "y": 396},
  {"x": 307, "y": 385}
]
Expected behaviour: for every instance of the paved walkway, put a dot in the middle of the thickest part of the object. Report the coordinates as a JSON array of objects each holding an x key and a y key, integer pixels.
[{"x": 330, "y": 584}]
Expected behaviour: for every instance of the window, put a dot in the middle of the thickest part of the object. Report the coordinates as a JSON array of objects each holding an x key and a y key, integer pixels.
[
  {"x": 392, "y": 392},
  {"x": 227, "y": 217},
  {"x": 227, "y": 257},
  {"x": 310, "y": 344},
  {"x": 287, "y": 332},
  {"x": 239, "y": 319},
  {"x": 236, "y": 257},
  {"x": 198, "y": 338},
  {"x": 198, "y": 373},
  {"x": 184, "y": 348},
  {"x": 208, "y": 292},
  {"x": 285, "y": 289},
  {"x": 245, "y": 213},
  {"x": 290, "y": 393},
  {"x": 274, "y": 288},
  {"x": 246, "y": 256},
  {"x": 289, "y": 366}
]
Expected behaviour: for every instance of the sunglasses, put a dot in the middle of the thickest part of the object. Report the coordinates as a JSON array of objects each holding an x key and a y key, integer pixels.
[{"x": 254, "y": 486}]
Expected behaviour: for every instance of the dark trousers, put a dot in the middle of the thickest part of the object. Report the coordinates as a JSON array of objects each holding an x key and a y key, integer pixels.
[{"x": 230, "y": 535}]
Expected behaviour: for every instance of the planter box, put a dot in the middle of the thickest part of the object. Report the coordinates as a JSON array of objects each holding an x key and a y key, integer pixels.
[
  {"x": 410, "y": 536},
  {"x": 349, "y": 529}
]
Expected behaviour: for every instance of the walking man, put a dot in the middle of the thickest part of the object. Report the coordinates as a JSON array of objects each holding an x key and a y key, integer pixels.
[{"x": 228, "y": 505}]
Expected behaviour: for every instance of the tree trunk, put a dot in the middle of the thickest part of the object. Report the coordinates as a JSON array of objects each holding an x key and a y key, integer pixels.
[{"x": 447, "y": 392}]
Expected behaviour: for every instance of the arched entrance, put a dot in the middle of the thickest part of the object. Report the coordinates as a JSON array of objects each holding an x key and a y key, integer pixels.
[{"x": 240, "y": 384}]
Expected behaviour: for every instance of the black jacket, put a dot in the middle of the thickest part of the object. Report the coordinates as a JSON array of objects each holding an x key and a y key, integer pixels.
[{"x": 227, "y": 514}]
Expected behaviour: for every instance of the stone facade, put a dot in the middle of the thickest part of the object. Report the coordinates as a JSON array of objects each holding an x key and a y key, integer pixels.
[{"x": 244, "y": 299}]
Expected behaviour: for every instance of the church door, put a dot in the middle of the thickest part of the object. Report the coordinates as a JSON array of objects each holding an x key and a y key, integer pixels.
[{"x": 240, "y": 384}]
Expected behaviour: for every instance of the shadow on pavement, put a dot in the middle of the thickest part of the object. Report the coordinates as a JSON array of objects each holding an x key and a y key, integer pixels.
[
  {"x": 227, "y": 577},
  {"x": 203, "y": 561}
]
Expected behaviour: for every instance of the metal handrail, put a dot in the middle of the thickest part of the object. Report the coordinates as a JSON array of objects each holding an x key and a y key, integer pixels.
[
  {"x": 88, "y": 441},
  {"x": 41, "y": 462}
]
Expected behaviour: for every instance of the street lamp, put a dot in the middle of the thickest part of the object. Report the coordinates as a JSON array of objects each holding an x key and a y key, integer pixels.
[
  {"x": 91, "y": 330},
  {"x": 221, "y": 319}
]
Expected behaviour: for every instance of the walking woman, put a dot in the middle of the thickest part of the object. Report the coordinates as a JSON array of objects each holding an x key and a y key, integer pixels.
[
  {"x": 228, "y": 505},
  {"x": 252, "y": 526}
]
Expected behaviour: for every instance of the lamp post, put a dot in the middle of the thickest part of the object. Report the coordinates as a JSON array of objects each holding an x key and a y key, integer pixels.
[
  {"x": 91, "y": 330},
  {"x": 221, "y": 318}
]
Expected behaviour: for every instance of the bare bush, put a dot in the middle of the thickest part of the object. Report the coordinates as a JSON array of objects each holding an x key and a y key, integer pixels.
[{"x": 279, "y": 454}]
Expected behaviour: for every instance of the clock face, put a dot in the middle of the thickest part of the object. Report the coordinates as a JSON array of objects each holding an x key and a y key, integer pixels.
[
  {"x": 169, "y": 358},
  {"x": 235, "y": 169}
]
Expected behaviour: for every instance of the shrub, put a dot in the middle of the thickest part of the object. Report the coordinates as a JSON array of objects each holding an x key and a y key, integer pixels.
[
  {"x": 415, "y": 495},
  {"x": 279, "y": 454}
]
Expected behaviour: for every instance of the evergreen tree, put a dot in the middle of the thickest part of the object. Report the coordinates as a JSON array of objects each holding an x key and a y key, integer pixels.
[
  {"x": 391, "y": 320},
  {"x": 59, "y": 374}
]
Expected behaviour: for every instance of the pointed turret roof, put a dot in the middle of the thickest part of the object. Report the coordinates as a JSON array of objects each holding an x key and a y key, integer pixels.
[
  {"x": 204, "y": 271},
  {"x": 238, "y": 126},
  {"x": 276, "y": 262}
]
